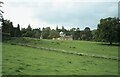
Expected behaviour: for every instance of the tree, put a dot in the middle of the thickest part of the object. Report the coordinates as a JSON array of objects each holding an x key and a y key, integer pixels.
[
  {"x": 53, "y": 34},
  {"x": 107, "y": 30},
  {"x": 6, "y": 29},
  {"x": 12, "y": 31},
  {"x": 27, "y": 32},
  {"x": 95, "y": 34},
  {"x": 118, "y": 30},
  {"x": 45, "y": 32},
  {"x": 17, "y": 31},
  {"x": 75, "y": 33},
  {"x": 88, "y": 33},
  {"x": 29, "y": 28},
  {"x": 23, "y": 32},
  {"x": 63, "y": 29},
  {"x": 57, "y": 28},
  {"x": 37, "y": 34}
]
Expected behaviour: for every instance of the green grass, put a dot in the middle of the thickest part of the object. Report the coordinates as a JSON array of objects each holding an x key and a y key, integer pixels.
[
  {"x": 72, "y": 45},
  {"x": 83, "y": 46},
  {"x": 20, "y": 60}
]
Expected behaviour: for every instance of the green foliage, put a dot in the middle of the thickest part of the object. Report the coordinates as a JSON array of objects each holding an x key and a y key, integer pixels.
[
  {"x": 37, "y": 34},
  {"x": 9, "y": 31},
  {"x": 95, "y": 35},
  {"x": 107, "y": 29},
  {"x": 17, "y": 32},
  {"x": 53, "y": 34},
  {"x": 63, "y": 29},
  {"x": 75, "y": 33},
  {"x": 29, "y": 28},
  {"x": 45, "y": 32},
  {"x": 86, "y": 34},
  {"x": 23, "y": 31},
  {"x": 29, "y": 32},
  {"x": 6, "y": 26}
]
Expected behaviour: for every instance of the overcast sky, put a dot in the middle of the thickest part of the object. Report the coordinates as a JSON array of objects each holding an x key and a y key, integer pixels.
[{"x": 67, "y": 13}]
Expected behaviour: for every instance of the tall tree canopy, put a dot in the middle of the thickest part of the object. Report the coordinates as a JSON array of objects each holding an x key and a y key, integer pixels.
[
  {"x": 107, "y": 29},
  {"x": 75, "y": 33},
  {"x": 87, "y": 35},
  {"x": 45, "y": 32},
  {"x": 53, "y": 34},
  {"x": 9, "y": 31}
]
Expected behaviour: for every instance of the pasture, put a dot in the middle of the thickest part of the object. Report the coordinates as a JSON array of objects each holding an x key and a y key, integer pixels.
[
  {"x": 89, "y": 47},
  {"x": 22, "y": 60}
]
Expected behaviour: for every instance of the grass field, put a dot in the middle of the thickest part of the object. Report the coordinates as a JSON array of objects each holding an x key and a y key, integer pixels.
[
  {"x": 98, "y": 48},
  {"x": 20, "y": 60}
]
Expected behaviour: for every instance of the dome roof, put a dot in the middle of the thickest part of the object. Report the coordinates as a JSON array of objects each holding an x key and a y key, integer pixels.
[{"x": 61, "y": 33}]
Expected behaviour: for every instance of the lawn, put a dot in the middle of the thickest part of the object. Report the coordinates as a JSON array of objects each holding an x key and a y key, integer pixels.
[{"x": 20, "y": 60}]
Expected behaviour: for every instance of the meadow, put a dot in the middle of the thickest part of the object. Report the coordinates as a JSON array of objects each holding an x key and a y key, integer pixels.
[
  {"x": 89, "y": 47},
  {"x": 22, "y": 60}
]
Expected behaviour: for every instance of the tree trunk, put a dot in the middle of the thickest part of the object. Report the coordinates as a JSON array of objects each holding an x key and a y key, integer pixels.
[
  {"x": 110, "y": 40},
  {"x": 110, "y": 43}
]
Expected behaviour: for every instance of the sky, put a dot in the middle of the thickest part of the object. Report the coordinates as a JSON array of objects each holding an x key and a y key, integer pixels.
[{"x": 67, "y": 13}]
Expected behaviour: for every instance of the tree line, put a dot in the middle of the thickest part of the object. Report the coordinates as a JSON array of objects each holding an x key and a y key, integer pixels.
[{"x": 108, "y": 30}]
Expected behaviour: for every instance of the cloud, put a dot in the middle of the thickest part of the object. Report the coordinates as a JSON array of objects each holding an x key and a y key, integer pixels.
[
  {"x": 41, "y": 13},
  {"x": 78, "y": 13}
]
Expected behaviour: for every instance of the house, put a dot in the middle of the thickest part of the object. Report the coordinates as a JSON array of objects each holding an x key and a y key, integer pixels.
[{"x": 63, "y": 37}]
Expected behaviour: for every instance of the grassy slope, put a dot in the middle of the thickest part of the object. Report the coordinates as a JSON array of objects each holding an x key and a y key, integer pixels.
[
  {"x": 83, "y": 46},
  {"x": 31, "y": 61},
  {"x": 79, "y": 46}
]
